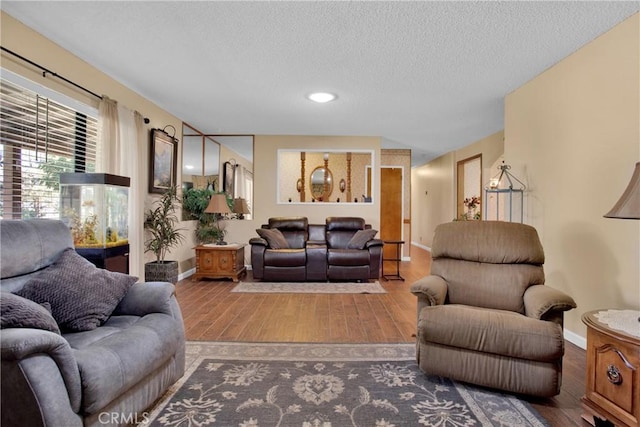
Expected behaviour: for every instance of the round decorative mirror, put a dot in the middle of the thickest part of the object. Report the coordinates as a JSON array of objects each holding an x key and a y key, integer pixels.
[{"x": 318, "y": 183}]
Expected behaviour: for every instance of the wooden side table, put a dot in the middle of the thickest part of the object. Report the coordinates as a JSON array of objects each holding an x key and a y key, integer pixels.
[
  {"x": 220, "y": 261},
  {"x": 613, "y": 367}
]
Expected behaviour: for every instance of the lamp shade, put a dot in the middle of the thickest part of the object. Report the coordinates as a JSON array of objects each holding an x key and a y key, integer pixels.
[
  {"x": 628, "y": 207},
  {"x": 240, "y": 206},
  {"x": 218, "y": 204}
]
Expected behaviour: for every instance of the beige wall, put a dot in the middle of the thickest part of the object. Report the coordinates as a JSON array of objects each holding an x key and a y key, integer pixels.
[
  {"x": 434, "y": 185},
  {"x": 432, "y": 198},
  {"x": 573, "y": 133}
]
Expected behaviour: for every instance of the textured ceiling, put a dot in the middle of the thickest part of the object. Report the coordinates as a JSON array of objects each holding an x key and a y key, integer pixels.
[{"x": 430, "y": 76}]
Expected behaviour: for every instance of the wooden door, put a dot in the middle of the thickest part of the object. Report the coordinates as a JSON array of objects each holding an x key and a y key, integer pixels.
[
  {"x": 469, "y": 177},
  {"x": 390, "y": 208}
]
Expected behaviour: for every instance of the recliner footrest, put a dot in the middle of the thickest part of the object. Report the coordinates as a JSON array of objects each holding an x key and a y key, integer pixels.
[
  {"x": 348, "y": 257},
  {"x": 285, "y": 258},
  {"x": 484, "y": 330}
]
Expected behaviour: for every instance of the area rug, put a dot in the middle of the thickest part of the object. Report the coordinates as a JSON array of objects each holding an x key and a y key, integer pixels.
[
  {"x": 310, "y": 288},
  {"x": 325, "y": 385}
]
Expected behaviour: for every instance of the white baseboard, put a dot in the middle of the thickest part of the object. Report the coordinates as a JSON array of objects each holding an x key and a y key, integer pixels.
[
  {"x": 576, "y": 339},
  {"x": 192, "y": 271},
  {"x": 186, "y": 274},
  {"x": 426, "y": 248}
]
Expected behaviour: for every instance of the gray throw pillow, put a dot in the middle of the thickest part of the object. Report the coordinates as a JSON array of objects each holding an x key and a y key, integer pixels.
[
  {"x": 360, "y": 239},
  {"x": 82, "y": 296},
  {"x": 274, "y": 237},
  {"x": 18, "y": 312}
]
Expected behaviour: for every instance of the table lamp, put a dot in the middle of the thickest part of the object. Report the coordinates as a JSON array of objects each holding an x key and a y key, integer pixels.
[
  {"x": 218, "y": 206},
  {"x": 628, "y": 207},
  {"x": 240, "y": 207}
]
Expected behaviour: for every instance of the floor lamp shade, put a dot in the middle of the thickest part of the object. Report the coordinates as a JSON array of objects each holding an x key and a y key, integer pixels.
[{"x": 628, "y": 207}]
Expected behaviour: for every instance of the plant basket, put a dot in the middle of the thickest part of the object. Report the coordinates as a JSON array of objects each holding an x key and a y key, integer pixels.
[{"x": 161, "y": 271}]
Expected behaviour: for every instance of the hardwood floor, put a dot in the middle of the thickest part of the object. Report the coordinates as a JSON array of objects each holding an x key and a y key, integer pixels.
[{"x": 212, "y": 313}]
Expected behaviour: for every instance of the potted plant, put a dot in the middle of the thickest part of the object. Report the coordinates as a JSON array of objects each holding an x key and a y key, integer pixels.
[
  {"x": 194, "y": 202},
  {"x": 161, "y": 222}
]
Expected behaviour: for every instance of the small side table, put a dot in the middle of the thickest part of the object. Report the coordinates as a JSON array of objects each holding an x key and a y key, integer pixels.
[
  {"x": 397, "y": 260},
  {"x": 220, "y": 261},
  {"x": 613, "y": 367}
]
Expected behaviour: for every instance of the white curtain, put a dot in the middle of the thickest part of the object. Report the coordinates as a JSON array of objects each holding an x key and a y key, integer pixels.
[
  {"x": 105, "y": 153},
  {"x": 130, "y": 162},
  {"x": 238, "y": 181},
  {"x": 121, "y": 151}
]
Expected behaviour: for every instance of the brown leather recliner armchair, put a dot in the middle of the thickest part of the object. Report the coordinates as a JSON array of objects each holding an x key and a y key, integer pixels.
[
  {"x": 484, "y": 314},
  {"x": 348, "y": 262},
  {"x": 282, "y": 264}
]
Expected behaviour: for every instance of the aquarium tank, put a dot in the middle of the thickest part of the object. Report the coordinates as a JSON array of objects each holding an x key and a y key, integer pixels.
[{"x": 95, "y": 206}]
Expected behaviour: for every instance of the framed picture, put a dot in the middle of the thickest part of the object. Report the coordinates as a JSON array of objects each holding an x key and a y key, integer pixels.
[
  {"x": 228, "y": 178},
  {"x": 162, "y": 161}
]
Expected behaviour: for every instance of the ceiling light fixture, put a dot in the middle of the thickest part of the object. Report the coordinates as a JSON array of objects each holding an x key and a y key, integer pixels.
[{"x": 321, "y": 97}]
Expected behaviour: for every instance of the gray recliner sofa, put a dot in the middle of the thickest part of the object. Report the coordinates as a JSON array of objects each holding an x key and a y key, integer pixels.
[{"x": 106, "y": 376}]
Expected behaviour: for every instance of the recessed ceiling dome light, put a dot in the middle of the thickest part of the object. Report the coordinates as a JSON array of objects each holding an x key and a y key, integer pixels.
[{"x": 321, "y": 97}]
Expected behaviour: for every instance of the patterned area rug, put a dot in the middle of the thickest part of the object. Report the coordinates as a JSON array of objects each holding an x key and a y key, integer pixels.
[
  {"x": 310, "y": 288},
  {"x": 325, "y": 385}
]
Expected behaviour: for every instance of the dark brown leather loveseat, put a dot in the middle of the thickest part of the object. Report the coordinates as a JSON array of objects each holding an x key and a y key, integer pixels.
[{"x": 291, "y": 249}]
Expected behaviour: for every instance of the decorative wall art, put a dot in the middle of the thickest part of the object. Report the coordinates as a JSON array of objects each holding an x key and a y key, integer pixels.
[{"x": 162, "y": 159}]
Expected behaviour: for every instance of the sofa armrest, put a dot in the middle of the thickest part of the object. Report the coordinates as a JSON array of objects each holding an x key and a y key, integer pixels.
[
  {"x": 430, "y": 289},
  {"x": 545, "y": 303},
  {"x": 147, "y": 297},
  {"x": 258, "y": 241},
  {"x": 373, "y": 242},
  {"x": 30, "y": 345}
]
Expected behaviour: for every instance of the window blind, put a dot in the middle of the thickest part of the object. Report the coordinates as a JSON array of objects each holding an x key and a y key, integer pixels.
[{"x": 39, "y": 139}]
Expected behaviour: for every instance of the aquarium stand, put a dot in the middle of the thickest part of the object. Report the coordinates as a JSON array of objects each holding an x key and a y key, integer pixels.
[{"x": 113, "y": 259}]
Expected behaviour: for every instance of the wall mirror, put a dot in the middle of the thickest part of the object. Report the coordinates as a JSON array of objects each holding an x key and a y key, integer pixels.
[
  {"x": 219, "y": 163},
  {"x": 321, "y": 183},
  {"x": 200, "y": 160},
  {"x": 331, "y": 176}
]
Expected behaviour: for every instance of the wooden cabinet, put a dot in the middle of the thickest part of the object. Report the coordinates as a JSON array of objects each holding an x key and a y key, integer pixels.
[
  {"x": 613, "y": 370},
  {"x": 220, "y": 261}
]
